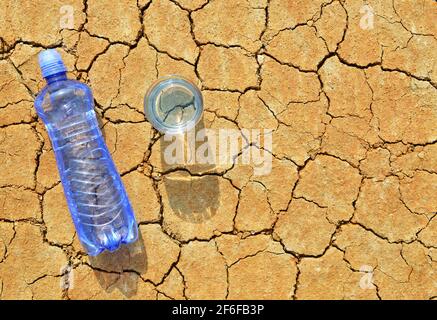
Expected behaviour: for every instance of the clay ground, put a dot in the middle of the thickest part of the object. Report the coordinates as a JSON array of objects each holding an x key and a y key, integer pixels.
[{"x": 348, "y": 211}]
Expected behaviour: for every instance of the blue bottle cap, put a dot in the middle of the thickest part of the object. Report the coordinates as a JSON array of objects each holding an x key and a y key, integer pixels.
[{"x": 50, "y": 62}]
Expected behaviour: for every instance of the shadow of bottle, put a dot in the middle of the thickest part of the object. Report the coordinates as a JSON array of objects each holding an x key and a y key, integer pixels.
[
  {"x": 119, "y": 270},
  {"x": 192, "y": 188}
]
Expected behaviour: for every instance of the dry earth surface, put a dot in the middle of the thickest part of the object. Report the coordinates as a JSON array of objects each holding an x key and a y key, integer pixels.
[{"x": 348, "y": 211}]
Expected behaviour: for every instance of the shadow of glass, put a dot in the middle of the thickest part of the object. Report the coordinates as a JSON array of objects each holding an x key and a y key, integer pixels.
[
  {"x": 119, "y": 270},
  {"x": 193, "y": 188}
]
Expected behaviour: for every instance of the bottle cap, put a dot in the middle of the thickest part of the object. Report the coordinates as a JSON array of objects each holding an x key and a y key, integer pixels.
[
  {"x": 50, "y": 62},
  {"x": 173, "y": 105}
]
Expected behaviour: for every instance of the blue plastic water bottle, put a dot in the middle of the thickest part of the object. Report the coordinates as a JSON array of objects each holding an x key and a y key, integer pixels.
[{"x": 95, "y": 194}]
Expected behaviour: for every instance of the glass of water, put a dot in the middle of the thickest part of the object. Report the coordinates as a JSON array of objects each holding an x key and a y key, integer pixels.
[{"x": 173, "y": 105}]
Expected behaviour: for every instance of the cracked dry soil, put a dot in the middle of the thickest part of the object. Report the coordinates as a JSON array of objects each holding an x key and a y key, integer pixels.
[{"x": 348, "y": 211}]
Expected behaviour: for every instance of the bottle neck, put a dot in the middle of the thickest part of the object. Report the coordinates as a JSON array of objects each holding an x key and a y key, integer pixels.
[{"x": 56, "y": 77}]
